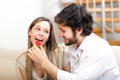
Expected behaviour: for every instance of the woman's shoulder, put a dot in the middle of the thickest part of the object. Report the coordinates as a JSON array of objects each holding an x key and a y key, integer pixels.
[
  {"x": 22, "y": 56},
  {"x": 21, "y": 61}
]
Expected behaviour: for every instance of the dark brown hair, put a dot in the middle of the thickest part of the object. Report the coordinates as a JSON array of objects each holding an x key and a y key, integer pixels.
[{"x": 76, "y": 16}]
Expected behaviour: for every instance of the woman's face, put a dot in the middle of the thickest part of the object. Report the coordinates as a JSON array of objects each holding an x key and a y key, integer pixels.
[{"x": 40, "y": 31}]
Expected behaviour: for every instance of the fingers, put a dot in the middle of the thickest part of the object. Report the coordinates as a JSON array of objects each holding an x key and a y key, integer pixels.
[
  {"x": 35, "y": 47},
  {"x": 35, "y": 52},
  {"x": 41, "y": 47},
  {"x": 34, "y": 55},
  {"x": 32, "y": 50},
  {"x": 30, "y": 54}
]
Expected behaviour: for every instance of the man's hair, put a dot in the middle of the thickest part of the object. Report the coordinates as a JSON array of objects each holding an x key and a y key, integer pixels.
[{"x": 76, "y": 16}]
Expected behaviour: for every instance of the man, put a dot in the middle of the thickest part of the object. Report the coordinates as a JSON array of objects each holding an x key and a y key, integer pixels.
[{"x": 91, "y": 57}]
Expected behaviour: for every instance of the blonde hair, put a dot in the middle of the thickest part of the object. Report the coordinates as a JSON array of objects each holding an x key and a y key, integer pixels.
[{"x": 51, "y": 44}]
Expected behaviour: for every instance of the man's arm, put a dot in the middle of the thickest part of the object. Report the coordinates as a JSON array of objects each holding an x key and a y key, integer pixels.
[
  {"x": 67, "y": 67},
  {"x": 39, "y": 56},
  {"x": 50, "y": 68}
]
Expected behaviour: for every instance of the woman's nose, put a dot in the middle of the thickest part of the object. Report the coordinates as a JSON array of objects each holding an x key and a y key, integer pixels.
[{"x": 41, "y": 33}]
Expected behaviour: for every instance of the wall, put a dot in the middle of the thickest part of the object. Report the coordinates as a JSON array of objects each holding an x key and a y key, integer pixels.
[{"x": 15, "y": 17}]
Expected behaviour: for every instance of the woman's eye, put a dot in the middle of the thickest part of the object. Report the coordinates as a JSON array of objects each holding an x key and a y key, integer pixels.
[
  {"x": 37, "y": 28},
  {"x": 46, "y": 32}
]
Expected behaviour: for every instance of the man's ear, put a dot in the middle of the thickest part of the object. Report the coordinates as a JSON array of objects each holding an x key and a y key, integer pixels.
[{"x": 79, "y": 31}]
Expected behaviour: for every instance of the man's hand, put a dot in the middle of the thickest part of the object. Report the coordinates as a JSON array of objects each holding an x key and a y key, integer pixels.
[{"x": 38, "y": 55}]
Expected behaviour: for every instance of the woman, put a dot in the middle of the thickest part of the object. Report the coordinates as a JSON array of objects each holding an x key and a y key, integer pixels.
[{"x": 41, "y": 29}]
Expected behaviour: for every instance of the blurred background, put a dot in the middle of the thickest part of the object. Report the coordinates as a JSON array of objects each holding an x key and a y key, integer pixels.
[{"x": 16, "y": 16}]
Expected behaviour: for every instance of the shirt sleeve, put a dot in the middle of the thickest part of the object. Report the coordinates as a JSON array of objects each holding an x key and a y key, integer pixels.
[
  {"x": 91, "y": 67},
  {"x": 20, "y": 62}
]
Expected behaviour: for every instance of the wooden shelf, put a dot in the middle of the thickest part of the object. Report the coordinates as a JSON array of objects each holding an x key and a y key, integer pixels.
[
  {"x": 99, "y": 30},
  {"x": 97, "y": 1},
  {"x": 100, "y": 10},
  {"x": 108, "y": 19},
  {"x": 90, "y": 1},
  {"x": 111, "y": 42},
  {"x": 114, "y": 43}
]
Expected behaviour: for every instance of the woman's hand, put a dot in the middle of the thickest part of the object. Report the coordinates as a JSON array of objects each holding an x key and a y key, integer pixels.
[{"x": 38, "y": 55}]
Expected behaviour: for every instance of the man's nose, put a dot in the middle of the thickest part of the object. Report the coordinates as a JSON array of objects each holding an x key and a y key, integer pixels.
[{"x": 60, "y": 34}]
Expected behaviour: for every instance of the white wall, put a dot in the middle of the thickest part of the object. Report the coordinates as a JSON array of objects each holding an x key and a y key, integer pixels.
[
  {"x": 51, "y": 8},
  {"x": 15, "y": 17}
]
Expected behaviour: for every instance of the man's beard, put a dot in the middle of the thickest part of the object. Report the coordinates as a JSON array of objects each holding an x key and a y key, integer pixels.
[{"x": 72, "y": 40}]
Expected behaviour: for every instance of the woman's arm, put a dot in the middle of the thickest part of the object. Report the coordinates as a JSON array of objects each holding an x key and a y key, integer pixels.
[{"x": 22, "y": 74}]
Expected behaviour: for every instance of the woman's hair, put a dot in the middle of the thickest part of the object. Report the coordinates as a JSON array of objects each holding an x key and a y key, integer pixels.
[
  {"x": 76, "y": 16},
  {"x": 50, "y": 44}
]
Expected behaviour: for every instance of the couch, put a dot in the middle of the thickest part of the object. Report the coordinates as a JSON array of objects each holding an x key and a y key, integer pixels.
[
  {"x": 116, "y": 50},
  {"x": 8, "y": 58},
  {"x": 7, "y": 64}
]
